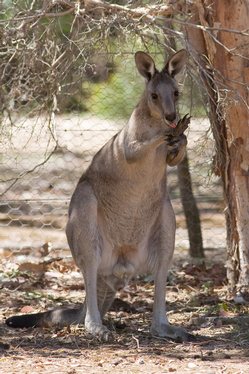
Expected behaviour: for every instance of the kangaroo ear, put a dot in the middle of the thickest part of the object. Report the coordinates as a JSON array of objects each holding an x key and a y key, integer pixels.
[
  {"x": 145, "y": 65},
  {"x": 176, "y": 62}
]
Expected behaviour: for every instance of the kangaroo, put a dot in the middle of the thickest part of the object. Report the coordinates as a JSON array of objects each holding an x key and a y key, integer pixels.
[{"x": 121, "y": 222}]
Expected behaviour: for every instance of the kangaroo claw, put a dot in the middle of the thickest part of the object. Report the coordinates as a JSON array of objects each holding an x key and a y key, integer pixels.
[{"x": 182, "y": 126}]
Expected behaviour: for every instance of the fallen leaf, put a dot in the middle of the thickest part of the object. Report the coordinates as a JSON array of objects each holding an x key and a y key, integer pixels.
[{"x": 27, "y": 309}]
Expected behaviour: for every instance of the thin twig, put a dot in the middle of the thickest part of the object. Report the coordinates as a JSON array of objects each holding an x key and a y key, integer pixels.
[{"x": 26, "y": 172}]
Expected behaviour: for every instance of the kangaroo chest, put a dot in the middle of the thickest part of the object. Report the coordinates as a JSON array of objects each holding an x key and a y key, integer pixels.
[{"x": 128, "y": 213}]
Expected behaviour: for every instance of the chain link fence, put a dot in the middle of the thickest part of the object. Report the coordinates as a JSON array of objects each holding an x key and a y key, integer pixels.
[{"x": 42, "y": 158}]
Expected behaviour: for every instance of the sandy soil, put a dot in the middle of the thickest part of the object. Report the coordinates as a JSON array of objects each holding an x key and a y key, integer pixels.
[{"x": 197, "y": 299}]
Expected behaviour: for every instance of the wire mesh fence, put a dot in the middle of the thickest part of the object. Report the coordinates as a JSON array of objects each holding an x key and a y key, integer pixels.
[
  {"x": 68, "y": 84},
  {"x": 42, "y": 158}
]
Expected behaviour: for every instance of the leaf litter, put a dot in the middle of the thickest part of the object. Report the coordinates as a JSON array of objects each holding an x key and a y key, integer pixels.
[{"x": 197, "y": 298}]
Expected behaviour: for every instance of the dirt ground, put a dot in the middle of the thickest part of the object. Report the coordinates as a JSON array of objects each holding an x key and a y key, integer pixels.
[{"x": 197, "y": 299}]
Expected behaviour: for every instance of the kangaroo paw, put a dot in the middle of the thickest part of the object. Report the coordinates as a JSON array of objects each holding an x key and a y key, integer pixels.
[
  {"x": 99, "y": 331},
  {"x": 182, "y": 126}
]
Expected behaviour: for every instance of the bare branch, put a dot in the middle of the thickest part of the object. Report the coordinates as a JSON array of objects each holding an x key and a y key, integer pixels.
[{"x": 98, "y": 8}]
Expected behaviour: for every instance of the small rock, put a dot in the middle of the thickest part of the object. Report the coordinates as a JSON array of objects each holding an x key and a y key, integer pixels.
[
  {"x": 117, "y": 362},
  {"x": 140, "y": 361},
  {"x": 239, "y": 299},
  {"x": 191, "y": 365}
]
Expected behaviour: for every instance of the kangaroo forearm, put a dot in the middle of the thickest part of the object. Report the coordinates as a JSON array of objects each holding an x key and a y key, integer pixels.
[{"x": 137, "y": 150}]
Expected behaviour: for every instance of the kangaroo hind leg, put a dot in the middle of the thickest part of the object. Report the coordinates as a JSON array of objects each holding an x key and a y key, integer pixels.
[
  {"x": 162, "y": 246},
  {"x": 84, "y": 241},
  {"x": 106, "y": 295}
]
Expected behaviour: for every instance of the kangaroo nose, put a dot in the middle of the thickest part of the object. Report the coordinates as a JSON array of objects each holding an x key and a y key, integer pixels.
[{"x": 170, "y": 117}]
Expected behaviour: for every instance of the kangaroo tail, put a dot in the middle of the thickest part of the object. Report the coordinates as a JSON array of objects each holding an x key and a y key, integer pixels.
[{"x": 57, "y": 318}]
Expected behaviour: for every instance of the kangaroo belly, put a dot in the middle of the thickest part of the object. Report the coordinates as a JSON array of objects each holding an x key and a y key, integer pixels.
[
  {"x": 124, "y": 244},
  {"x": 127, "y": 219}
]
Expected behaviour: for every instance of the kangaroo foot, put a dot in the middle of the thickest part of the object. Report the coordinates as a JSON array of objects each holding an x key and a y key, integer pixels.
[
  {"x": 99, "y": 331},
  {"x": 175, "y": 333}
]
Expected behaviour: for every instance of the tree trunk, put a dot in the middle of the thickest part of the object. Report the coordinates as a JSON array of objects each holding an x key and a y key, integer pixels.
[
  {"x": 190, "y": 210},
  {"x": 226, "y": 78}
]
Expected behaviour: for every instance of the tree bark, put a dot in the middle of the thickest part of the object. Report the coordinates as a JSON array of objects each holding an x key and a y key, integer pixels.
[
  {"x": 190, "y": 210},
  {"x": 225, "y": 71}
]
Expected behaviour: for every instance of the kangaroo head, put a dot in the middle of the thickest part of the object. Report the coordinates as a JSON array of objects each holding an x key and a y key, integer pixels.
[{"x": 161, "y": 88}]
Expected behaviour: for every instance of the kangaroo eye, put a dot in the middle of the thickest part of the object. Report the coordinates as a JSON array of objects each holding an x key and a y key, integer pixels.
[
  {"x": 154, "y": 96},
  {"x": 176, "y": 93}
]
